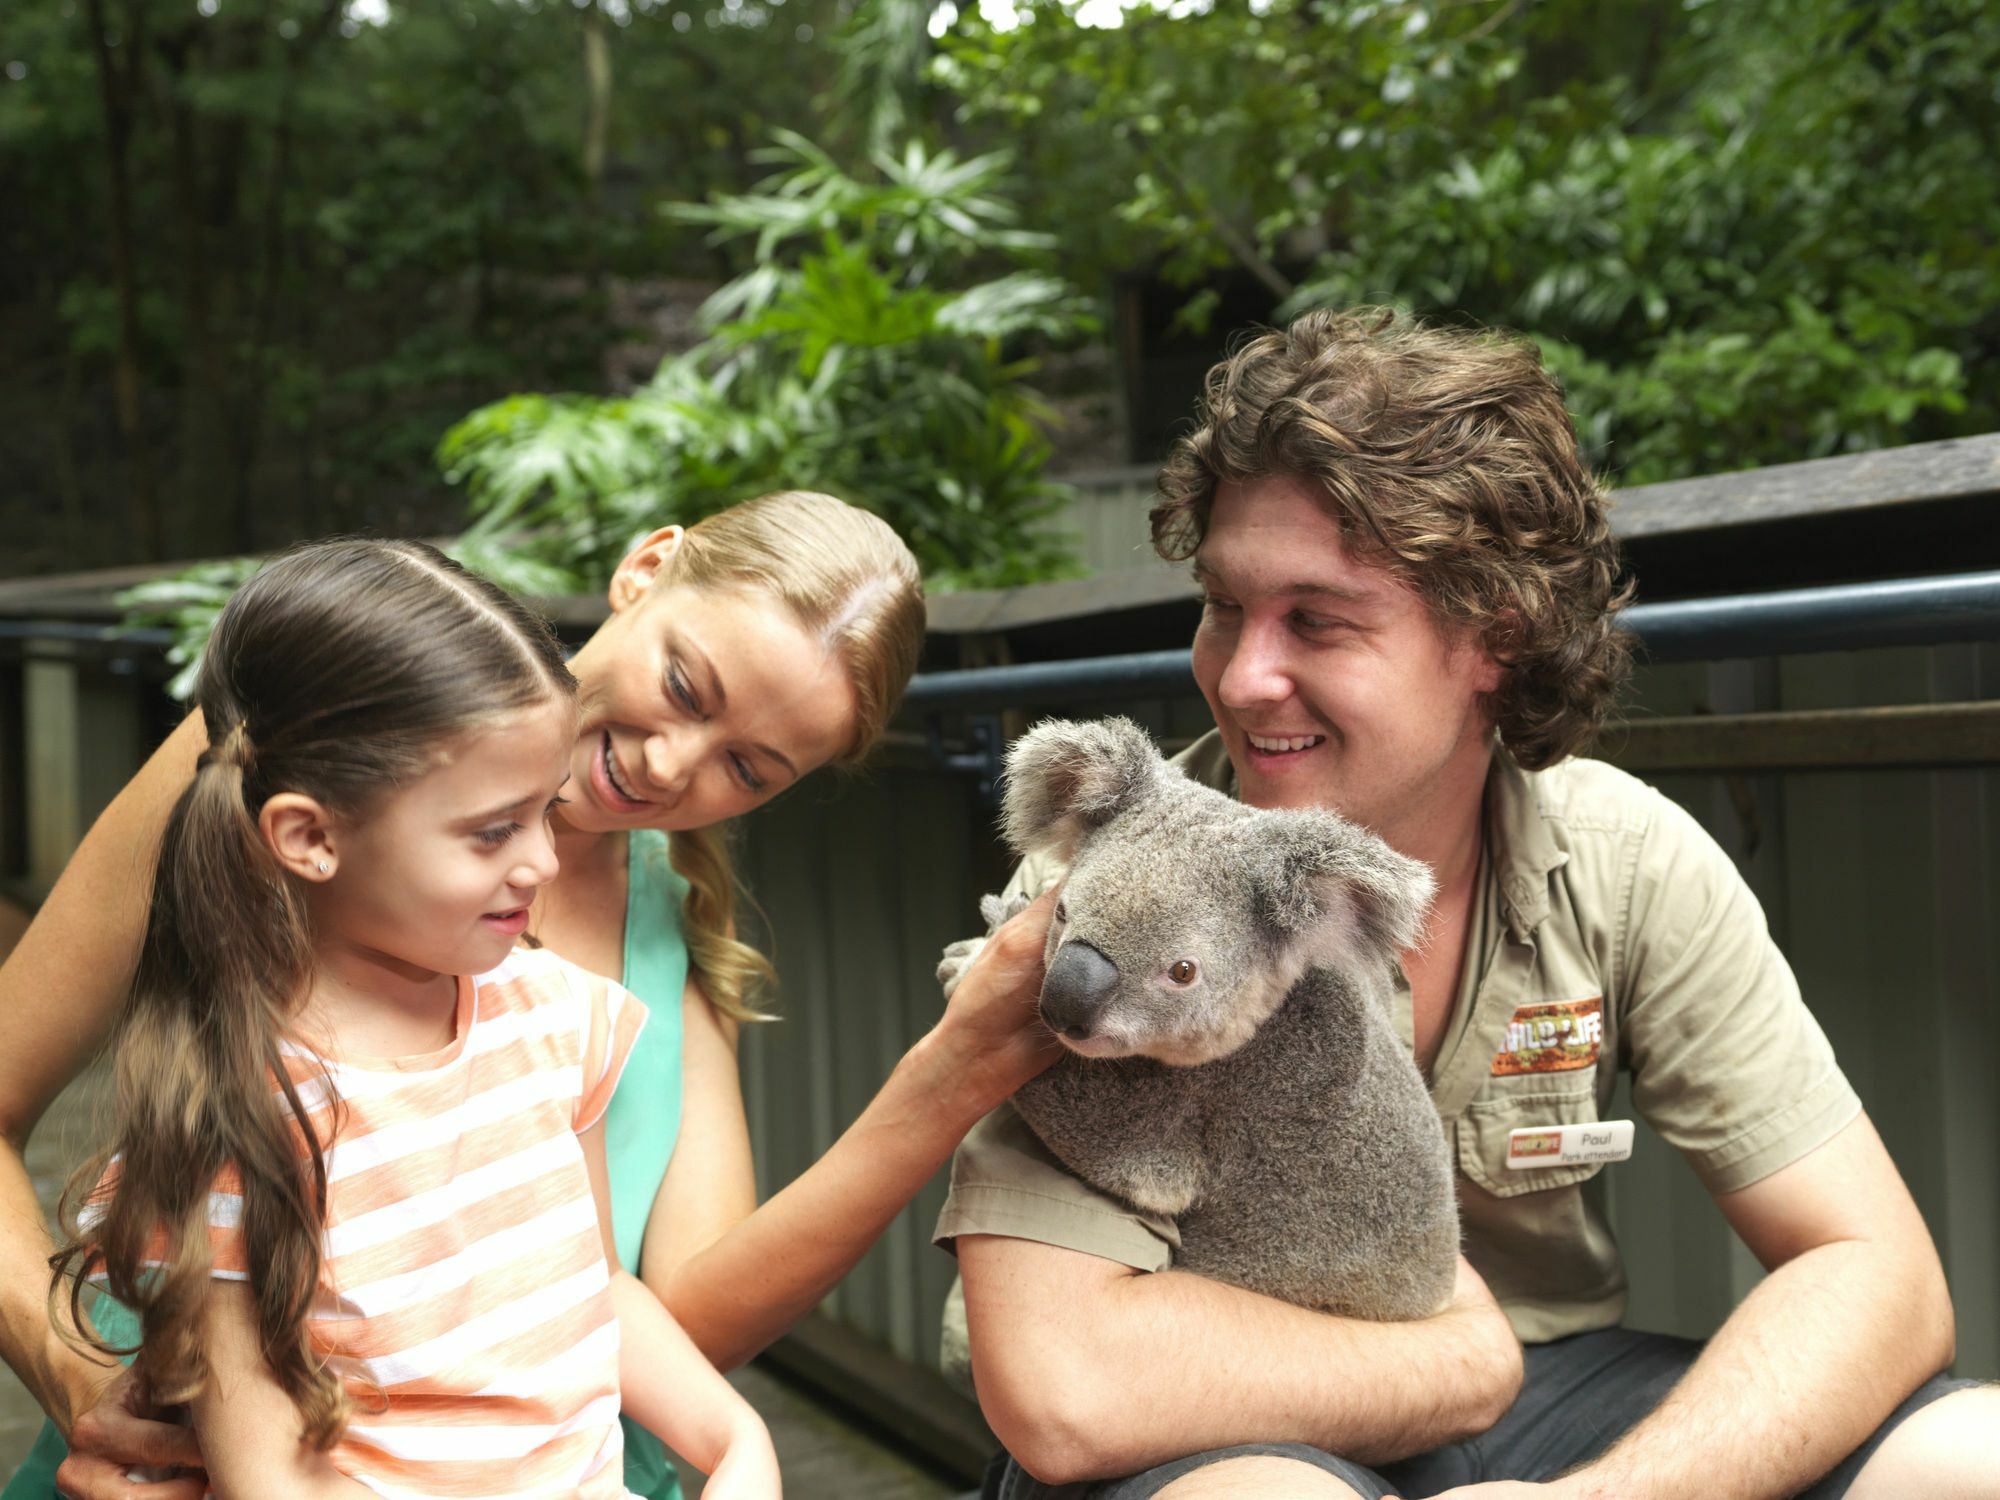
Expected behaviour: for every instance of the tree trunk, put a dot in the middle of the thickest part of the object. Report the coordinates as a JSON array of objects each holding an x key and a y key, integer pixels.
[
  {"x": 597, "y": 99},
  {"x": 596, "y": 138},
  {"x": 69, "y": 486},
  {"x": 118, "y": 88},
  {"x": 264, "y": 298},
  {"x": 205, "y": 443}
]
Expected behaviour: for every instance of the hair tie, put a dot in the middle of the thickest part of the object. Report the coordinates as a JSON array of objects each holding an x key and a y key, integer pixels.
[{"x": 233, "y": 749}]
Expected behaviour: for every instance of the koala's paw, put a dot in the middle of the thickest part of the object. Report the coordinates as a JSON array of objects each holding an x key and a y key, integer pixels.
[
  {"x": 957, "y": 959},
  {"x": 959, "y": 956},
  {"x": 1000, "y": 910}
]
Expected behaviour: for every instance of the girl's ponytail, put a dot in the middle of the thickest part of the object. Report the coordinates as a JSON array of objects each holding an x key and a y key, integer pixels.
[{"x": 202, "y": 1087}]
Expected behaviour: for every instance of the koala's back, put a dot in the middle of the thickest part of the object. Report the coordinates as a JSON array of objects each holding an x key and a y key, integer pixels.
[{"x": 1309, "y": 1165}]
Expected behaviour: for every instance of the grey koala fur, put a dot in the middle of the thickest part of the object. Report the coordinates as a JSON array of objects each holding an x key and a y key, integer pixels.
[{"x": 1267, "y": 1105}]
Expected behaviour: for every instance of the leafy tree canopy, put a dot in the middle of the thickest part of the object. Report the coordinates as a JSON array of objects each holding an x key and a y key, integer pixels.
[
  {"x": 862, "y": 352},
  {"x": 271, "y": 249},
  {"x": 1743, "y": 234}
]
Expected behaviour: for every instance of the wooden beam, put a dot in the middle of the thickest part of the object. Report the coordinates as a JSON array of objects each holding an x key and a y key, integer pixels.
[
  {"x": 1842, "y": 739},
  {"x": 1955, "y": 469}
]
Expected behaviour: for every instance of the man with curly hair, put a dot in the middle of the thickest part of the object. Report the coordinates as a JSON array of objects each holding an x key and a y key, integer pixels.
[{"x": 1409, "y": 600}]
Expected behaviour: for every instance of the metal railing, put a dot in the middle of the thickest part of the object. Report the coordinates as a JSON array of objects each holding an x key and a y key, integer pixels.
[
  {"x": 1843, "y": 617},
  {"x": 1846, "y": 617},
  {"x": 143, "y": 638}
]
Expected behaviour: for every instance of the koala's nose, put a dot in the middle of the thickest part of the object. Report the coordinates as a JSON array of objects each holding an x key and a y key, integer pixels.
[{"x": 1075, "y": 988}]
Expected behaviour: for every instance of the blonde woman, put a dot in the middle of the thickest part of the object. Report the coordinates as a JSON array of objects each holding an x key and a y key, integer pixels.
[{"x": 740, "y": 654}]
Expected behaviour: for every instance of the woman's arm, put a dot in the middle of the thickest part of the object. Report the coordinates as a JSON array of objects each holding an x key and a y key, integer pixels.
[
  {"x": 247, "y": 1422},
  {"x": 736, "y": 1275},
  {"x": 666, "y": 1386},
  {"x": 60, "y": 993}
]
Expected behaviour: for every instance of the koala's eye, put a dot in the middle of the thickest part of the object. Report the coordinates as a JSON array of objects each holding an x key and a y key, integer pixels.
[
  {"x": 1062, "y": 912},
  {"x": 1183, "y": 971}
]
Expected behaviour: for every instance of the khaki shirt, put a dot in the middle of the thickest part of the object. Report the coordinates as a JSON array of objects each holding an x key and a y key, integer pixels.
[{"x": 1609, "y": 932}]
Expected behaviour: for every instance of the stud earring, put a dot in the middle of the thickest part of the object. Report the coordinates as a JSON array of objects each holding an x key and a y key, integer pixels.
[{"x": 323, "y": 867}]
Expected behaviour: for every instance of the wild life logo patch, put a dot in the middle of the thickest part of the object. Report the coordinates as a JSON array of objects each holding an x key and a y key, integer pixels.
[{"x": 1556, "y": 1036}]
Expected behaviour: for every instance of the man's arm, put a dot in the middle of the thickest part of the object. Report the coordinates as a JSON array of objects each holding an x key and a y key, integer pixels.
[
  {"x": 1853, "y": 1317},
  {"x": 1061, "y": 1342}
]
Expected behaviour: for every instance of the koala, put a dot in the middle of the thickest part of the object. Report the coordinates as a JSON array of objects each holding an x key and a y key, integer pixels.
[{"x": 1219, "y": 977}]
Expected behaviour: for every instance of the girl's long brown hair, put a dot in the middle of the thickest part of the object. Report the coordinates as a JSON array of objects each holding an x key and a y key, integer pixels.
[{"x": 338, "y": 671}]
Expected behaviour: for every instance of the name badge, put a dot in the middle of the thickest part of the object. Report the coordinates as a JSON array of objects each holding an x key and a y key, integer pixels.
[{"x": 1568, "y": 1145}]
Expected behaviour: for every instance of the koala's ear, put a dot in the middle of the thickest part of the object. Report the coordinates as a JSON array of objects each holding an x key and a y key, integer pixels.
[
  {"x": 1065, "y": 777},
  {"x": 1339, "y": 889}
]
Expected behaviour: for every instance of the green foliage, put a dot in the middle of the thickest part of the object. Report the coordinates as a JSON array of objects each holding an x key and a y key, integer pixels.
[
  {"x": 884, "y": 51},
  {"x": 1184, "y": 128},
  {"x": 186, "y": 603},
  {"x": 861, "y": 353},
  {"x": 1743, "y": 234},
  {"x": 346, "y": 233}
]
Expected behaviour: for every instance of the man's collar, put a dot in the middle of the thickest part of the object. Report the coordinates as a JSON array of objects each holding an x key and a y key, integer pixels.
[{"x": 1519, "y": 844}]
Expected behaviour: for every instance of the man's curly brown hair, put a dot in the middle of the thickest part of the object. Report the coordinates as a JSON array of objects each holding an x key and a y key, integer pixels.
[{"x": 1447, "y": 455}]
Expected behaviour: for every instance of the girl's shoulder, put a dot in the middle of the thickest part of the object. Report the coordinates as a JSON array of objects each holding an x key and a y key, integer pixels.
[
  {"x": 530, "y": 978},
  {"x": 566, "y": 1016}
]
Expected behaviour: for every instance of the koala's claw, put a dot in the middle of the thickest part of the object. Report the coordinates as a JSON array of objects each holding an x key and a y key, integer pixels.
[{"x": 958, "y": 957}]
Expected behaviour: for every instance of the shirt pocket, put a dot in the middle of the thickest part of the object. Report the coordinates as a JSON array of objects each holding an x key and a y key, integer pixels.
[{"x": 1484, "y": 1127}]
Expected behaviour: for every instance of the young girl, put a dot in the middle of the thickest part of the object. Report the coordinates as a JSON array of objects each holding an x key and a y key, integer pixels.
[{"x": 358, "y": 1197}]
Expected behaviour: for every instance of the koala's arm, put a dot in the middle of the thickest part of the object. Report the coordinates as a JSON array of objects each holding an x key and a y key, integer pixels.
[
  {"x": 1061, "y": 1339},
  {"x": 1139, "y": 1143}
]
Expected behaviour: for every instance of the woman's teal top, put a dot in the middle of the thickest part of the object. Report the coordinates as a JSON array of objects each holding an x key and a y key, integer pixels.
[
  {"x": 644, "y": 1118},
  {"x": 640, "y": 1128}
]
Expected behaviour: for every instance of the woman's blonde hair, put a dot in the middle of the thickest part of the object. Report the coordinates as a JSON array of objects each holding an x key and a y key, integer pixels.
[
  {"x": 339, "y": 671},
  {"x": 851, "y": 584}
]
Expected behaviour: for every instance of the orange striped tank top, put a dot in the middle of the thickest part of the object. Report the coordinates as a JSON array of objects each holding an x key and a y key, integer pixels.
[{"x": 464, "y": 1292}]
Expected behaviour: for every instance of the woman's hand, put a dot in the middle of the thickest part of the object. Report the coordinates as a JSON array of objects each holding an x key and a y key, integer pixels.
[
  {"x": 124, "y": 1431},
  {"x": 61, "y": 991},
  {"x": 991, "y": 1024}
]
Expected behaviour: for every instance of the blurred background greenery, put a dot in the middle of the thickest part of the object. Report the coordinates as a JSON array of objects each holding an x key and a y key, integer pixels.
[{"x": 550, "y": 272}]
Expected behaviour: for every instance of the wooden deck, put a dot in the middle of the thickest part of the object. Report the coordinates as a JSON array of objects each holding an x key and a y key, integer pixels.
[{"x": 822, "y": 1456}]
